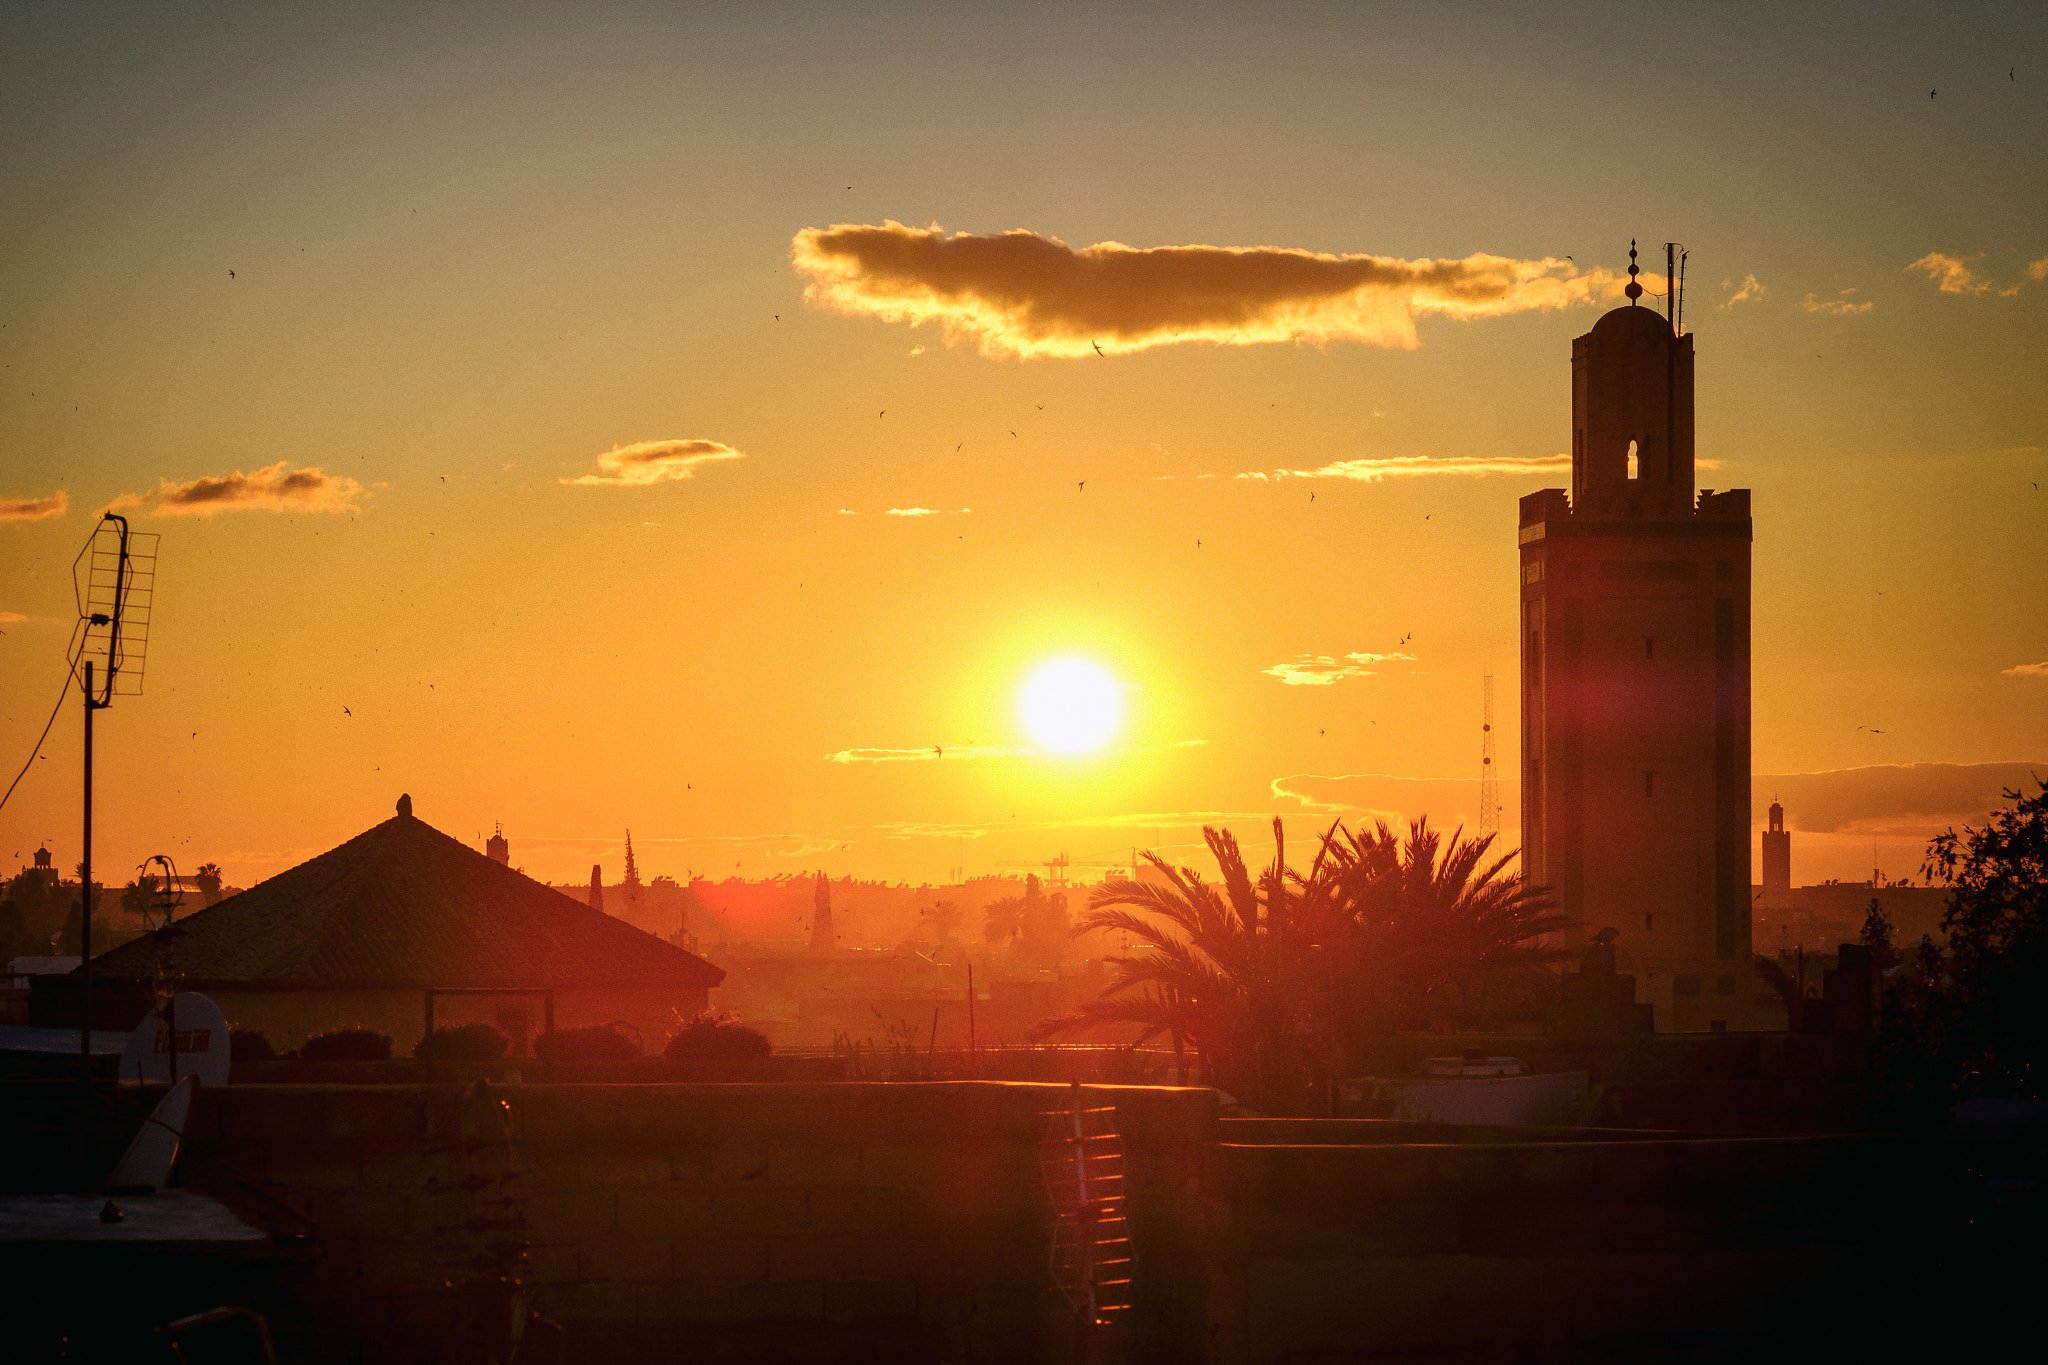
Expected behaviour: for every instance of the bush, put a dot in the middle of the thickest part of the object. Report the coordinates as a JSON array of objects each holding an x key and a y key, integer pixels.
[
  {"x": 714, "y": 1037},
  {"x": 599, "y": 1043},
  {"x": 250, "y": 1045},
  {"x": 462, "y": 1043},
  {"x": 347, "y": 1045}
]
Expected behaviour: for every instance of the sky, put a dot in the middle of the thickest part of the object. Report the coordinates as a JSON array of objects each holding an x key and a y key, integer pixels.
[{"x": 592, "y": 417}]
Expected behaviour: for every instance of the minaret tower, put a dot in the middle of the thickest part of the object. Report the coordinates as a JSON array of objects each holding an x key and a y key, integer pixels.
[{"x": 1635, "y": 680}]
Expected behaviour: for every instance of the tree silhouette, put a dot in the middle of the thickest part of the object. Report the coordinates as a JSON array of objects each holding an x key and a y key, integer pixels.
[
  {"x": 1278, "y": 983},
  {"x": 208, "y": 880}
]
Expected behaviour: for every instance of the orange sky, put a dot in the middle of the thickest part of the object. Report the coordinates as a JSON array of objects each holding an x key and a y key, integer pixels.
[{"x": 674, "y": 462}]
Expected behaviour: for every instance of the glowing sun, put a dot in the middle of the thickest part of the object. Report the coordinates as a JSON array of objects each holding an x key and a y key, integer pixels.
[{"x": 1071, "y": 706}]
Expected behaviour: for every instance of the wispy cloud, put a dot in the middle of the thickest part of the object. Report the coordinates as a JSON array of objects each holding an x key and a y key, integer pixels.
[
  {"x": 1913, "y": 796},
  {"x": 1022, "y": 294},
  {"x": 924, "y": 512},
  {"x": 1842, "y": 305},
  {"x": 11, "y": 617},
  {"x": 1320, "y": 670},
  {"x": 34, "y": 509},
  {"x": 1951, "y": 274},
  {"x": 936, "y": 752},
  {"x": 273, "y": 488},
  {"x": 2039, "y": 670},
  {"x": 931, "y": 755},
  {"x": 1374, "y": 469},
  {"x": 651, "y": 462},
  {"x": 1751, "y": 288}
]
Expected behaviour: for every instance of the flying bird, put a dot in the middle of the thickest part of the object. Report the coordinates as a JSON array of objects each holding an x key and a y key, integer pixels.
[
  {"x": 1013, "y": 433},
  {"x": 883, "y": 413},
  {"x": 1098, "y": 347},
  {"x": 231, "y": 274},
  {"x": 1930, "y": 94},
  {"x": 1311, "y": 497},
  {"x": 344, "y": 710},
  {"x": 1081, "y": 487},
  {"x": 940, "y": 752}
]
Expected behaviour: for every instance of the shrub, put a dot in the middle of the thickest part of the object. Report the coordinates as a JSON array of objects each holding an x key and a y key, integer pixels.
[
  {"x": 250, "y": 1045},
  {"x": 715, "y": 1037},
  {"x": 599, "y": 1043},
  {"x": 462, "y": 1043},
  {"x": 347, "y": 1045}
]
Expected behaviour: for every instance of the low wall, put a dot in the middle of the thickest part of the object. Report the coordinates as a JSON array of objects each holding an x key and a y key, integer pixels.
[
  {"x": 1641, "y": 1249},
  {"x": 909, "y": 1222},
  {"x": 863, "y": 1221}
]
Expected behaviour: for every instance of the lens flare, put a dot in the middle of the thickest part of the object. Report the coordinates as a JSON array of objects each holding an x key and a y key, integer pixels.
[{"x": 1071, "y": 706}]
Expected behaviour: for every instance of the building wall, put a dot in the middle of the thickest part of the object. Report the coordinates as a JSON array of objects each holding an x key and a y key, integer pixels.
[{"x": 911, "y": 1223}]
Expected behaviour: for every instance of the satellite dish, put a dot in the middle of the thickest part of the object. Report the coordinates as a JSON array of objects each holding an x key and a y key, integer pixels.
[
  {"x": 146, "y": 1165},
  {"x": 202, "y": 1043}
]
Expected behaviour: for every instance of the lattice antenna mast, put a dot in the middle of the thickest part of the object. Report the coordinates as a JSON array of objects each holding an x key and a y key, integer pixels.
[
  {"x": 1489, "y": 785},
  {"x": 114, "y": 578}
]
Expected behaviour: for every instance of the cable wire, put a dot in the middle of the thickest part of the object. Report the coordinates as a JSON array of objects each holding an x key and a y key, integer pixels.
[{"x": 68, "y": 675}]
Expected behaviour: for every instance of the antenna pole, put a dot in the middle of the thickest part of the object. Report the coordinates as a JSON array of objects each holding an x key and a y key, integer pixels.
[
  {"x": 85, "y": 899},
  {"x": 1670, "y": 286}
]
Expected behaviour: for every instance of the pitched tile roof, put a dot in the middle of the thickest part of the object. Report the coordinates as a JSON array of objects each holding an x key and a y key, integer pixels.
[{"x": 404, "y": 906}]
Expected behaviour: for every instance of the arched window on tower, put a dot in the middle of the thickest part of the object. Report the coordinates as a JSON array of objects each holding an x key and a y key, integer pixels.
[{"x": 1634, "y": 463}]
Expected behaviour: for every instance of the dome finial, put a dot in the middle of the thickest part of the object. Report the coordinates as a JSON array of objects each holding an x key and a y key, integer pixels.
[{"x": 1634, "y": 290}]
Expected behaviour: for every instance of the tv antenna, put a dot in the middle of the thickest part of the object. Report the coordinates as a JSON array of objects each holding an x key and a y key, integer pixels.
[
  {"x": 166, "y": 890},
  {"x": 114, "y": 579},
  {"x": 1056, "y": 871},
  {"x": 1489, "y": 784}
]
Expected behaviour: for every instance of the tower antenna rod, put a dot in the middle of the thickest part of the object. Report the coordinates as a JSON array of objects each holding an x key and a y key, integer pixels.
[{"x": 1670, "y": 294}]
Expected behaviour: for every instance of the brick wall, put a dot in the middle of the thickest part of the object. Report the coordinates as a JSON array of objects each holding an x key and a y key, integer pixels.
[{"x": 858, "y": 1220}]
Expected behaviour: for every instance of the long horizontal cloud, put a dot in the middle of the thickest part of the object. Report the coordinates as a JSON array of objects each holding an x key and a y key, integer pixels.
[
  {"x": 1912, "y": 796},
  {"x": 1320, "y": 670},
  {"x": 273, "y": 488},
  {"x": 1374, "y": 469},
  {"x": 2039, "y": 670},
  {"x": 924, "y": 755},
  {"x": 650, "y": 462},
  {"x": 936, "y": 752},
  {"x": 34, "y": 509},
  {"x": 1022, "y": 294}
]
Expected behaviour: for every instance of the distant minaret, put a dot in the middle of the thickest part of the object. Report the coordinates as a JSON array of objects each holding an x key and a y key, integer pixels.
[
  {"x": 596, "y": 886},
  {"x": 821, "y": 918},
  {"x": 1777, "y": 855},
  {"x": 497, "y": 848},
  {"x": 1635, "y": 680}
]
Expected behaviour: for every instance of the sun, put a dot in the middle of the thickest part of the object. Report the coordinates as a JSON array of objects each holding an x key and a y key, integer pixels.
[{"x": 1071, "y": 706}]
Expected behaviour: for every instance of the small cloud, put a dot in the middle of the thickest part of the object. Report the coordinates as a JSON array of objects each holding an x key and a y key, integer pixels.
[
  {"x": 273, "y": 488},
  {"x": 1752, "y": 288},
  {"x": 848, "y": 512},
  {"x": 1840, "y": 306},
  {"x": 10, "y": 617},
  {"x": 917, "y": 350},
  {"x": 1373, "y": 470},
  {"x": 652, "y": 462},
  {"x": 1205, "y": 476},
  {"x": 34, "y": 509},
  {"x": 1022, "y": 294},
  {"x": 1951, "y": 274},
  {"x": 2039, "y": 670},
  {"x": 1321, "y": 670},
  {"x": 2038, "y": 270},
  {"x": 925, "y": 512}
]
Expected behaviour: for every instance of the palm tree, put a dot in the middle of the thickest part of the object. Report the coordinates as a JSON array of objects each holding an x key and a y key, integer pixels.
[
  {"x": 1215, "y": 972},
  {"x": 1422, "y": 927},
  {"x": 1277, "y": 982}
]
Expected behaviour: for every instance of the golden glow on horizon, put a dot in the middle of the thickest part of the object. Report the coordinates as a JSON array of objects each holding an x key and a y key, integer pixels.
[{"x": 1071, "y": 706}]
